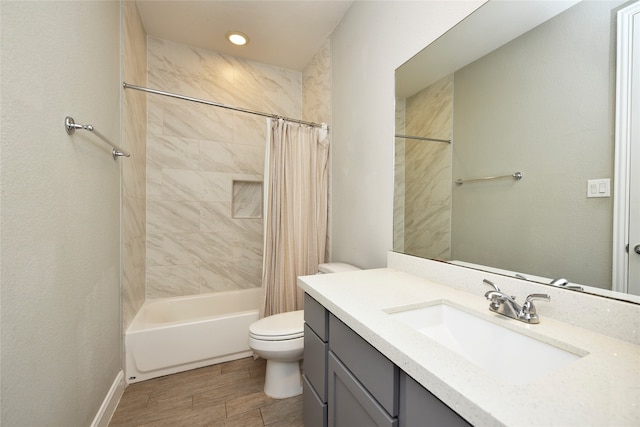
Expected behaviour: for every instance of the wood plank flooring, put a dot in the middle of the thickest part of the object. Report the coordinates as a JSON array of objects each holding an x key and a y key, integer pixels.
[{"x": 228, "y": 394}]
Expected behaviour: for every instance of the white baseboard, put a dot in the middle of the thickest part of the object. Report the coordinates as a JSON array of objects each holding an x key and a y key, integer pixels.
[{"x": 110, "y": 402}]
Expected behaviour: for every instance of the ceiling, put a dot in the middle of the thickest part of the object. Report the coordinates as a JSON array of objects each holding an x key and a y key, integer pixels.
[{"x": 282, "y": 33}]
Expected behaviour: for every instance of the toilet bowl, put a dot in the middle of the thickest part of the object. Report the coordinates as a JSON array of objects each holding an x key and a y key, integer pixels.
[{"x": 279, "y": 339}]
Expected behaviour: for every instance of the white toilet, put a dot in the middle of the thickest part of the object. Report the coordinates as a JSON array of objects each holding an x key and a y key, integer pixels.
[{"x": 279, "y": 339}]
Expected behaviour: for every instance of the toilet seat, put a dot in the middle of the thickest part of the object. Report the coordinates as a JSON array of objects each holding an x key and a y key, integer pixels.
[{"x": 279, "y": 327}]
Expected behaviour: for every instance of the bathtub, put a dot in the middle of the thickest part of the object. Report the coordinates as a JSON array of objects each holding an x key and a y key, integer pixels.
[{"x": 172, "y": 335}]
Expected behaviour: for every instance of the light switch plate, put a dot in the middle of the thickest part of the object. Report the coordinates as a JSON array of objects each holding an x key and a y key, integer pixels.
[{"x": 599, "y": 188}]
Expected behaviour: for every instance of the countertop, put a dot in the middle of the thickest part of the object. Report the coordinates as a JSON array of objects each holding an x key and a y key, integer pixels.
[{"x": 602, "y": 388}]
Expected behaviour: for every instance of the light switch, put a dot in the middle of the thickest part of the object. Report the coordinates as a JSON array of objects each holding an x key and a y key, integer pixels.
[{"x": 598, "y": 188}]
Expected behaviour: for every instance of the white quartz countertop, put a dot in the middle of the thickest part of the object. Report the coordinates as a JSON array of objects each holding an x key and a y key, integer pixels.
[{"x": 602, "y": 388}]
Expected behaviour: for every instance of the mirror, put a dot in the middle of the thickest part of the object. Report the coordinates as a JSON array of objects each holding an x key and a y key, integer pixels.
[{"x": 523, "y": 93}]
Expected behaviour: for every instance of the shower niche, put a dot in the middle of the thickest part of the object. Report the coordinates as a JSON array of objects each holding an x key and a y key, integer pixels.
[{"x": 246, "y": 199}]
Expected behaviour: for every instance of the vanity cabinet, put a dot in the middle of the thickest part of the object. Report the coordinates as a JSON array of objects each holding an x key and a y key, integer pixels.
[
  {"x": 347, "y": 382},
  {"x": 314, "y": 372},
  {"x": 418, "y": 407},
  {"x": 363, "y": 383}
]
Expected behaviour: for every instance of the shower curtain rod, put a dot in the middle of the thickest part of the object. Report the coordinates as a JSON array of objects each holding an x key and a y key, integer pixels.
[
  {"x": 217, "y": 104},
  {"x": 422, "y": 138}
]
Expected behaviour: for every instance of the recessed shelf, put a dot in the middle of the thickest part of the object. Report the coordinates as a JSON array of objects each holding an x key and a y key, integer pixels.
[{"x": 247, "y": 200}]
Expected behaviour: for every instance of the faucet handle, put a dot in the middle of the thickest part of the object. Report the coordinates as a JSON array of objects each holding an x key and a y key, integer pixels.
[
  {"x": 528, "y": 312},
  {"x": 490, "y": 283},
  {"x": 544, "y": 297}
]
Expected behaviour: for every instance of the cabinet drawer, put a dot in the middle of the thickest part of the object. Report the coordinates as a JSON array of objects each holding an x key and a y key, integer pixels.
[
  {"x": 418, "y": 407},
  {"x": 349, "y": 403},
  {"x": 317, "y": 317},
  {"x": 376, "y": 373},
  {"x": 315, "y": 362},
  {"x": 314, "y": 412}
]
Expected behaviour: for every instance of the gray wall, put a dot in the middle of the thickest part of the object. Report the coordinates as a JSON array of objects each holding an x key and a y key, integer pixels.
[
  {"x": 542, "y": 105},
  {"x": 60, "y": 267}
]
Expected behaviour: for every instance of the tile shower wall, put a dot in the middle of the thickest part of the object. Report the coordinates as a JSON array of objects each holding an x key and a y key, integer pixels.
[
  {"x": 134, "y": 129},
  {"x": 428, "y": 182},
  {"x": 399, "y": 178},
  {"x": 195, "y": 154},
  {"x": 316, "y": 102}
]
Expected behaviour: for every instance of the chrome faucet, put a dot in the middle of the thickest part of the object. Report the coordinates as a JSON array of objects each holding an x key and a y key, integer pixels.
[{"x": 506, "y": 305}]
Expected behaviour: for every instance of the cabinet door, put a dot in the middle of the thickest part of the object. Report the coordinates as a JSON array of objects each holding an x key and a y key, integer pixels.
[
  {"x": 378, "y": 374},
  {"x": 418, "y": 407},
  {"x": 350, "y": 405}
]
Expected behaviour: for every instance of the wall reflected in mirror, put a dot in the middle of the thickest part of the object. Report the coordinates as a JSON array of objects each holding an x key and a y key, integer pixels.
[{"x": 542, "y": 104}]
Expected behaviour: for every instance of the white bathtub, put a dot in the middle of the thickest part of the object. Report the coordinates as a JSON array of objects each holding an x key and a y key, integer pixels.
[{"x": 172, "y": 335}]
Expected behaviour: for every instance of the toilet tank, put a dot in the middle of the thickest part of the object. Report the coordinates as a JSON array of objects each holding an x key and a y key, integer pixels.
[{"x": 335, "y": 267}]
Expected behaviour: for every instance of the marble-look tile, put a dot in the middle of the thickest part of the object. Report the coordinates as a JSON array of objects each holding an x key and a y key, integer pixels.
[
  {"x": 247, "y": 199},
  {"x": 399, "y": 196},
  {"x": 427, "y": 171},
  {"x": 217, "y": 217},
  {"x": 231, "y": 158},
  {"x": 172, "y": 152},
  {"x": 198, "y": 122},
  {"x": 172, "y": 280},
  {"x": 223, "y": 276},
  {"x": 316, "y": 103},
  {"x": 133, "y": 281},
  {"x": 189, "y": 185},
  {"x": 316, "y": 87},
  {"x": 134, "y": 130},
  {"x": 249, "y": 130},
  {"x": 154, "y": 183},
  {"x": 134, "y": 42},
  {"x": 155, "y": 115},
  {"x": 133, "y": 218},
  {"x": 429, "y": 113},
  {"x": 197, "y": 247},
  {"x": 195, "y": 152},
  {"x": 170, "y": 216}
]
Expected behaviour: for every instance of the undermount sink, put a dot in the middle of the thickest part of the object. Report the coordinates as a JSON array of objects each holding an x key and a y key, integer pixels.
[{"x": 513, "y": 357}]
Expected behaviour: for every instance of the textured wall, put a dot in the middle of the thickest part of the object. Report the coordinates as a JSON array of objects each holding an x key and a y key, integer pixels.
[
  {"x": 134, "y": 139},
  {"x": 194, "y": 154},
  {"x": 61, "y": 326}
]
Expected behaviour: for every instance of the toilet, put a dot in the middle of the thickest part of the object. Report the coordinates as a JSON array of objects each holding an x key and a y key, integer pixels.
[{"x": 279, "y": 339}]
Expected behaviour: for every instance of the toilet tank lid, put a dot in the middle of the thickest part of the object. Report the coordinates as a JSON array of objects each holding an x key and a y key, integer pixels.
[{"x": 336, "y": 267}]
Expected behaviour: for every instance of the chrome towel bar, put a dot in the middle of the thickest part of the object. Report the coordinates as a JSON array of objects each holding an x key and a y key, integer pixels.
[
  {"x": 71, "y": 126},
  {"x": 517, "y": 176}
]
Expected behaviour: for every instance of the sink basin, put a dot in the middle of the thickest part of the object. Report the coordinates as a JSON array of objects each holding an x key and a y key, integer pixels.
[{"x": 513, "y": 357}]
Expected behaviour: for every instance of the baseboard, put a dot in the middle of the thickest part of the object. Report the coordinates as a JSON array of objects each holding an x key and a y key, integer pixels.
[{"x": 110, "y": 402}]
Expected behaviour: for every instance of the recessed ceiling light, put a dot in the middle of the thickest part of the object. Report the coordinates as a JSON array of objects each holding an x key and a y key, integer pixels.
[{"x": 237, "y": 38}]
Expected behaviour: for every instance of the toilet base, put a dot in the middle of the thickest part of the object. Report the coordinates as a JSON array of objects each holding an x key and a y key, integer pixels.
[{"x": 282, "y": 379}]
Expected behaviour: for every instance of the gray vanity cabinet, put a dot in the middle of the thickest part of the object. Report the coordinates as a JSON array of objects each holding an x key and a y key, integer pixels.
[
  {"x": 314, "y": 372},
  {"x": 350, "y": 404},
  {"x": 348, "y": 383},
  {"x": 363, "y": 384},
  {"x": 418, "y": 407}
]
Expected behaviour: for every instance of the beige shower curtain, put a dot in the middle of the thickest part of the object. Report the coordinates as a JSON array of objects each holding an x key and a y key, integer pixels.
[{"x": 296, "y": 187}]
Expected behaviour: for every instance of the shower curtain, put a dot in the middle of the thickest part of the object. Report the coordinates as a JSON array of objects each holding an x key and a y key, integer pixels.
[{"x": 295, "y": 220}]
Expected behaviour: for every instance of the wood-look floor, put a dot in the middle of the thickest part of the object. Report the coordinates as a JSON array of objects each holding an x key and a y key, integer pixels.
[{"x": 228, "y": 394}]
